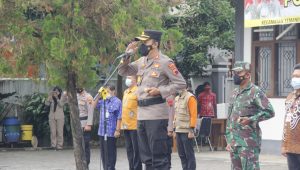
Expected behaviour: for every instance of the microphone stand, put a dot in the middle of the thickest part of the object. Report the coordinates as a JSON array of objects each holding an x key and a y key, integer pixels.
[{"x": 103, "y": 94}]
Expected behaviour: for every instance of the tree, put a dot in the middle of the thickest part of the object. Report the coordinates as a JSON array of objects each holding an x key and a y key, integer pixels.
[
  {"x": 70, "y": 37},
  {"x": 204, "y": 24}
]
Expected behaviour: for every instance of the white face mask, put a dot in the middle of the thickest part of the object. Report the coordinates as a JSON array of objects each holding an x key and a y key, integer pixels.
[
  {"x": 128, "y": 82},
  {"x": 295, "y": 83}
]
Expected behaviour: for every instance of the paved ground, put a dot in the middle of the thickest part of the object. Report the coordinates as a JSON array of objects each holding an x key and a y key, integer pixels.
[{"x": 64, "y": 160}]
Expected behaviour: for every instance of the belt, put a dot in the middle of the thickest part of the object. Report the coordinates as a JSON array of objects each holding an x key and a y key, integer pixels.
[
  {"x": 151, "y": 101},
  {"x": 83, "y": 118}
]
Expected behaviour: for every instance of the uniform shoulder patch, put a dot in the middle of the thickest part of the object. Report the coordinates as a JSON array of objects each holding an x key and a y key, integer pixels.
[{"x": 174, "y": 69}]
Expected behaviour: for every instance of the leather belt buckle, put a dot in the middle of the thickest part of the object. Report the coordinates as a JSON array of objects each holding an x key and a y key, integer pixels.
[{"x": 142, "y": 102}]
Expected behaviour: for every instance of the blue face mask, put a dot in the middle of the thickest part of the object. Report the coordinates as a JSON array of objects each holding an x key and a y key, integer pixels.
[{"x": 295, "y": 83}]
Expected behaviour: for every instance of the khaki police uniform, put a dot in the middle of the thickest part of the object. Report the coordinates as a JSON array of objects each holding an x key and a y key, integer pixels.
[
  {"x": 86, "y": 112},
  {"x": 56, "y": 122},
  {"x": 153, "y": 112}
]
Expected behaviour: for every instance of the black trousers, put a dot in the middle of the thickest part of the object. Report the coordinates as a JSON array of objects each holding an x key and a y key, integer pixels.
[
  {"x": 293, "y": 161},
  {"x": 132, "y": 149},
  {"x": 186, "y": 151},
  {"x": 87, "y": 139},
  {"x": 153, "y": 139},
  {"x": 108, "y": 151},
  {"x": 170, "y": 145}
]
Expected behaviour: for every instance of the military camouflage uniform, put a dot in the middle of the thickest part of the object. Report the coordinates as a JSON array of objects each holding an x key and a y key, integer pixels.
[{"x": 245, "y": 140}]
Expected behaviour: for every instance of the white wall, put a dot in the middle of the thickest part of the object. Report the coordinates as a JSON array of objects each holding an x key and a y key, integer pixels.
[
  {"x": 272, "y": 129},
  {"x": 247, "y": 44}
]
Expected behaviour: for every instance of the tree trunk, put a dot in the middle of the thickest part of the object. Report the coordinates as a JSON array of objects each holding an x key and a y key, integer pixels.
[{"x": 78, "y": 141}]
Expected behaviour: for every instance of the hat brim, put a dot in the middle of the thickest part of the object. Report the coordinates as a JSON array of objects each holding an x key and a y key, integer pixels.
[
  {"x": 142, "y": 38},
  {"x": 238, "y": 69}
]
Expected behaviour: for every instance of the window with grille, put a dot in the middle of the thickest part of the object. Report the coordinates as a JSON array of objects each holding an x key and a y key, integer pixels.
[{"x": 274, "y": 59}]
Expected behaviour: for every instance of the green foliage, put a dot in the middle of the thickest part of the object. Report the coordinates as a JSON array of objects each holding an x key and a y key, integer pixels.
[
  {"x": 77, "y": 39},
  {"x": 5, "y": 67},
  {"x": 134, "y": 16},
  {"x": 204, "y": 24},
  {"x": 36, "y": 113}
]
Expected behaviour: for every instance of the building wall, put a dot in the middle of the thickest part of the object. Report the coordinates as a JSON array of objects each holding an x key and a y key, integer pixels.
[
  {"x": 22, "y": 87},
  {"x": 247, "y": 44}
]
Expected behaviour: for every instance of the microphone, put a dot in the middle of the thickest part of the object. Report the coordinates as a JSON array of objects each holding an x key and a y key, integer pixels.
[{"x": 126, "y": 54}]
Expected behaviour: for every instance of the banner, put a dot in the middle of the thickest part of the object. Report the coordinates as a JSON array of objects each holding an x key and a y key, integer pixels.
[{"x": 271, "y": 12}]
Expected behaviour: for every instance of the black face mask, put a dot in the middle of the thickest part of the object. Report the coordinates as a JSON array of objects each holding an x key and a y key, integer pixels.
[
  {"x": 145, "y": 49},
  {"x": 238, "y": 79}
]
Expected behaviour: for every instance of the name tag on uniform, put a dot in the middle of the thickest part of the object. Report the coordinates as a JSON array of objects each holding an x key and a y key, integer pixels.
[
  {"x": 139, "y": 79},
  {"x": 156, "y": 65},
  {"x": 154, "y": 74},
  {"x": 106, "y": 114}
]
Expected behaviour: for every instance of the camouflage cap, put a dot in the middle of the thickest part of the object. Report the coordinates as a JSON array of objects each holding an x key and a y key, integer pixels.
[{"x": 241, "y": 66}]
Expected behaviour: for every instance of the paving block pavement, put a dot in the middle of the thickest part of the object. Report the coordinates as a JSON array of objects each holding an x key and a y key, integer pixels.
[{"x": 64, "y": 160}]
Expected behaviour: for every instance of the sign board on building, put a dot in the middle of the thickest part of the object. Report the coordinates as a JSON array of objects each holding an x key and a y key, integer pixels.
[{"x": 271, "y": 12}]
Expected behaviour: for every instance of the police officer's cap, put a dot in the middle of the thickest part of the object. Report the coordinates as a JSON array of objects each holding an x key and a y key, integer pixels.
[
  {"x": 241, "y": 66},
  {"x": 149, "y": 34}
]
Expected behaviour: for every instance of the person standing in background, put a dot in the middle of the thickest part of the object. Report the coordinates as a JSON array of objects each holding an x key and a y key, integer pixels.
[
  {"x": 112, "y": 114},
  {"x": 129, "y": 123},
  {"x": 248, "y": 106},
  {"x": 208, "y": 102},
  {"x": 185, "y": 123},
  {"x": 86, "y": 113},
  {"x": 291, "y": 133},
  {"x": 56, "y": 100}
]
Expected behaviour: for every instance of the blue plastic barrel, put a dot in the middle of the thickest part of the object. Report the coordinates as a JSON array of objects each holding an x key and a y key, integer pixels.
[{"x": 11, "y": 129}]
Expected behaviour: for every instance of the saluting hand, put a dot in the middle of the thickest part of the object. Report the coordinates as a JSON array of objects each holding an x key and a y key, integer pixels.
[{"x": 133, "y": 46}]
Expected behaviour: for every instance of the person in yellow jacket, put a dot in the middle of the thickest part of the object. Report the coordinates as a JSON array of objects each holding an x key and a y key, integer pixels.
[
  {"x": 129, "y": 123},
  {"x": 185, "y": 122}
]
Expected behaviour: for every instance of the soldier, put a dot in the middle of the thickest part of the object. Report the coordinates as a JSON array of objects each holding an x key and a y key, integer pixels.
[
  {"x": 157, "y": 78},
  {"x": 248, "y": 106},
  {"x": 86, "y": 113}
]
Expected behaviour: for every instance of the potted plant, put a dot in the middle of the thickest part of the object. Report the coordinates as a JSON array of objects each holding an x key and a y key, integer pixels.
[{"x": 36, "y": 113}]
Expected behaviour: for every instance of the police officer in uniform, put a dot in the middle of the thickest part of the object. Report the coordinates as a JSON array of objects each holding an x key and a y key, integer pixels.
[
  {"x": 157, "y": 78},
  {"x": 86, "y": 111}
]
